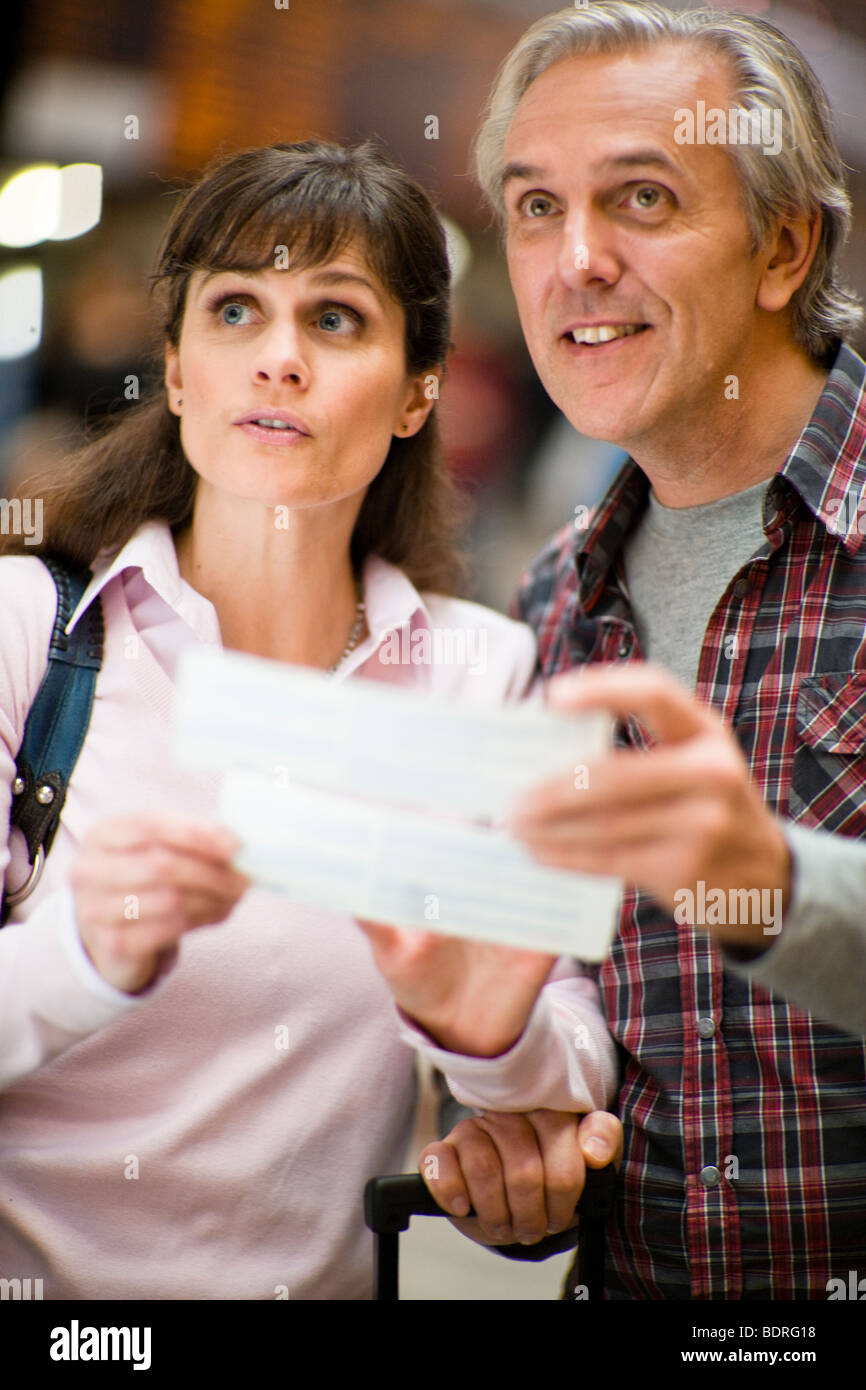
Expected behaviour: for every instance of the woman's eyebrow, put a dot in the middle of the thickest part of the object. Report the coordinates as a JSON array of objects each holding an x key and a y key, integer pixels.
[
  {"x": 339, "y": 277},
  {"x": 320, "y": 277},
  {"x": 209, "y": 275}
]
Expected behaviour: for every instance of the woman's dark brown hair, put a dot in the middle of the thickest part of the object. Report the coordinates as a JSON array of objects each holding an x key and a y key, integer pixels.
[{"x": 303, "y": 202}]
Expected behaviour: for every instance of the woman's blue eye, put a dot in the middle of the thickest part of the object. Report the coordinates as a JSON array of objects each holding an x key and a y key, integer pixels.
[
  {"x": 332, "y": 319},
  {"x": 231, "y": 313}
]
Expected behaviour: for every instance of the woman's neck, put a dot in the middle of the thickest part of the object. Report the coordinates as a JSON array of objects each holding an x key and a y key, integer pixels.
[{"x": 281, "y": 581}]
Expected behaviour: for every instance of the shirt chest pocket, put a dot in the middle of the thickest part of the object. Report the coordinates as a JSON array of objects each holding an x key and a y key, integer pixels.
[{"x": 828, "y": 783}]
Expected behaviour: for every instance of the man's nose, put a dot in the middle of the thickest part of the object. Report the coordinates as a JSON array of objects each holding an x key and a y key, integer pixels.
[
  {"x": 281, "y": 356},
  {"x": 587, "y": 254}
]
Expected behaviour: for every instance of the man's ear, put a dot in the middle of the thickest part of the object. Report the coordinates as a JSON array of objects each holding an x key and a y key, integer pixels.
[
  {"x": 422, "y": 395},
  {"x": 791, "y": 253},
  {"x": 173, "y": 379}
]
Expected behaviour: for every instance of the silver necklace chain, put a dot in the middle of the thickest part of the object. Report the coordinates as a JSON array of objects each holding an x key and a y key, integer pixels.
[{"x": 354, "y": 634}]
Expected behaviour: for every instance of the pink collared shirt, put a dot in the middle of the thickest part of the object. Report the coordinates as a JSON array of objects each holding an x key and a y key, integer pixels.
[{"x": 210, "y": 1138}]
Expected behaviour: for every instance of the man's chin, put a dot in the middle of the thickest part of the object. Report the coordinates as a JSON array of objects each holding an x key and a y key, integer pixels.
[{"x": 615, "y": 425}]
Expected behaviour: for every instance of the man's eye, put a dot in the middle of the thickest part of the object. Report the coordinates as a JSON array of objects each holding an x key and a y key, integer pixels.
[
  {"x": 536, "y": 205},
  {"x": 232, "y": 312},
  {"x": 647, "y": 197}
]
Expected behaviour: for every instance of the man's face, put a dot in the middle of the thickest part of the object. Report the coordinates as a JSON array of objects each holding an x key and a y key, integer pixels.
[{"x": 610, "y": 222}]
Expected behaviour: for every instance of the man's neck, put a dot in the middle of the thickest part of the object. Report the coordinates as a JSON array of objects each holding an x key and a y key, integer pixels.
[{"x": 747, "y": 440}]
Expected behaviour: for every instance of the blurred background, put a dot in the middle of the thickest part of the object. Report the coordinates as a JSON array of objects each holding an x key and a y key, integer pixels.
[{"x": 109, "y": 107}]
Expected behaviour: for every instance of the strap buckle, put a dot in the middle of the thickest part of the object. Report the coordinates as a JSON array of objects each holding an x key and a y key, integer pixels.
[{"x": 19, "y": 894}]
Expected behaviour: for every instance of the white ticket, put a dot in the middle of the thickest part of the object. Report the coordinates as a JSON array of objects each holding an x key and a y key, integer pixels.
[
  {"x": 359, "y": 797},
  {"x": 409, "y": 869},
  {"x": 368, "y": 739}
]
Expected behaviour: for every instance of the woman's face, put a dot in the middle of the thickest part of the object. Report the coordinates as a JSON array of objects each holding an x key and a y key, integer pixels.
[{"x": 293, "y": 382}]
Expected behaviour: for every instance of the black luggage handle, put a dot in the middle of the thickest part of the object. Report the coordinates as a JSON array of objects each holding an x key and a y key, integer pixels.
[{"x": 390, "y": 1202}]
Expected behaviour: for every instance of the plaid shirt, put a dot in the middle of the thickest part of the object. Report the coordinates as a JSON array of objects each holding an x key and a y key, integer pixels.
[{"x": 745, "y": 1117}]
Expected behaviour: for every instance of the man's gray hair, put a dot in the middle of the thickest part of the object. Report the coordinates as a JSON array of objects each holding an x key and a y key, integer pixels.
[{"x": 770, "y": 75}]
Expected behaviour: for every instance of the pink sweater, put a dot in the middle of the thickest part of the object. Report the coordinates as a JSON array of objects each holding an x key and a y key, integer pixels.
[{"x": 171, "y": 1145}]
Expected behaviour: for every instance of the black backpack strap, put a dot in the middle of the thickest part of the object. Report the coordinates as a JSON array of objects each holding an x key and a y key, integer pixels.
[{"x": 57, "y": 723}]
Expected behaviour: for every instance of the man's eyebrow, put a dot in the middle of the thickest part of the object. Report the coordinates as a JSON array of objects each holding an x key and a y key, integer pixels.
[
  {"x": 513, "y": 170},
  {"x": 655, "y": 158}
]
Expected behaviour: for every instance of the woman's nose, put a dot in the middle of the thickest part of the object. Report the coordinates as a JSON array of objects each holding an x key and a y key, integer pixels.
[{"x": 280, "y": 356}]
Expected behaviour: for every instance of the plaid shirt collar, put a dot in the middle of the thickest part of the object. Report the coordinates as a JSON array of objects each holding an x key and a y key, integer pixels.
[{"x": 826, "y": 470}]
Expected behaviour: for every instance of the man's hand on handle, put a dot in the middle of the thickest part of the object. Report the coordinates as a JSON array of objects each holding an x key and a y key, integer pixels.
[{"x": 523, "y": 1174}]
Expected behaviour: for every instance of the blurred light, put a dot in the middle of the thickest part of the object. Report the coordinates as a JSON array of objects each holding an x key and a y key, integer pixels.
[
  {"x": 80, "y": 200},
  {"x": 45, "y": 203},
  {"x": 30, "y": 206},
  {"x": 62, "y": 110},
  {"x": 20, "y": 311},
  {"x": 459, "y": 250}
]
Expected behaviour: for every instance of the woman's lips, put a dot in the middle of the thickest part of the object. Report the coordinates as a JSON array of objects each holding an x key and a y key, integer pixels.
[{"x": 265, "y": 434}]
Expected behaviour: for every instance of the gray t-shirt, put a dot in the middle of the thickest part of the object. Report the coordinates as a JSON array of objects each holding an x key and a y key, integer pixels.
[{"x": 678, "y": 563}]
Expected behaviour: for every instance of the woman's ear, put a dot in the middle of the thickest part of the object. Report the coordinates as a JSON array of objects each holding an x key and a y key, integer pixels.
[
  {"x": 173, "y": 380},
  {"x": 422, "y": 395}
]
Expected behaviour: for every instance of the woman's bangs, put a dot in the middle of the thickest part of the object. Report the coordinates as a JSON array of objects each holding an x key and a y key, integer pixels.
[{"x": 288, "y": 232}]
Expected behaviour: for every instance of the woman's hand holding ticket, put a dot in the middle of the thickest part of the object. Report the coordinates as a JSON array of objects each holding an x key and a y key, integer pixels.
[
  {"x": 471, "y": 997},
  {"x": 140, "y": 882}
]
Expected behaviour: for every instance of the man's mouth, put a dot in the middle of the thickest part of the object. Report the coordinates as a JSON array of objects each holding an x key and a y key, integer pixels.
[{"x": 596, "y": 334}]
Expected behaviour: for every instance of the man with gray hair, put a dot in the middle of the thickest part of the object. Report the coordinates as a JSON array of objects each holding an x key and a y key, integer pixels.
[{"x": 677, "y": 278}]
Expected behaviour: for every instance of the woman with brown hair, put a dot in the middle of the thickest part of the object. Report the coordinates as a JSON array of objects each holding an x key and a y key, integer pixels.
[{"x": 196, "y": 1119}]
